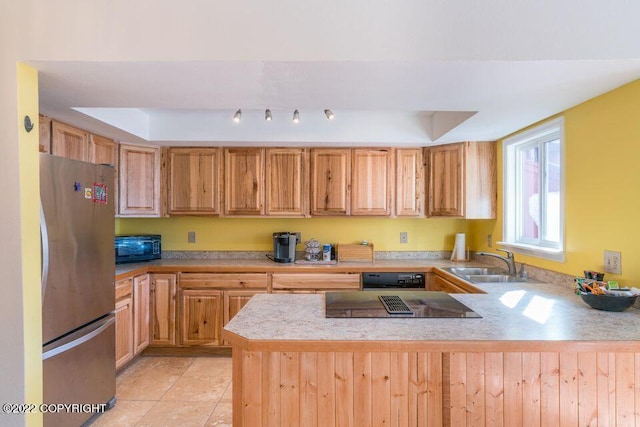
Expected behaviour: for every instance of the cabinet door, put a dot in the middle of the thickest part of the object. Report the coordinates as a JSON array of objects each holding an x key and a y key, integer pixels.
[
  {"x": 330, "y": 181},
  {"x": 371, "y": 182},
  {"x": 201, "y": 317},
  {"x": 141, "y": 288},
  {"x": 233, "y": 303},
  {"x": 139, "y": 181},
  {"x": 410, "y": 184},
  {"x": 444, "y": 285},
  {"x": 163, "y": 309},
  {"x": 44, "y": 127},
  {"x": 194, "y": 180},
  {"x": 243, "y": 181},
  {"x": 286, "y": 181},
  {"x": 103, "y": 150},
  {"x": 68, "y": 141},
  {"x": 481, "y": 182},
  {"x": 446, "y": 177},
  {"x": 124, "y": 331}
]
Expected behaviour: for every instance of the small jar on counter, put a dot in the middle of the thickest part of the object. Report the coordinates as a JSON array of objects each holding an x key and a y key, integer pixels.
[{"x": 326, "y": 252}]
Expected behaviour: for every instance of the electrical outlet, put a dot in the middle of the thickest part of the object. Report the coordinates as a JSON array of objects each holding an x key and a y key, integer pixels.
[
  {"x": 191, "y": 237},
  {"x": 489, "y": 239},
  {"x": 404, "y": 238},
  {"x": 613, "y": 262}
]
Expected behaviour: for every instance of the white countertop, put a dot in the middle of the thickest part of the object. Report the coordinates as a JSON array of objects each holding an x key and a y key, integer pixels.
[{"x": 510, "y": 312}]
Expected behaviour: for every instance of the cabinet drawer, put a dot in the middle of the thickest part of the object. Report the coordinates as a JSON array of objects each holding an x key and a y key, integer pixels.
[
  {"x": 223, "y": 280},
  {"x": 316, "y": 281},
  {"x": 124, "y": 288}
]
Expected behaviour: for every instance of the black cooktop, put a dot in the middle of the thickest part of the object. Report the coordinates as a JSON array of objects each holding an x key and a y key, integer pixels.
[{"x": 421, "y": 304}]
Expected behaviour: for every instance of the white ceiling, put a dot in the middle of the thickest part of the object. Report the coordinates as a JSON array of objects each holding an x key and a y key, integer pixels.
[{"x": 467, "y": 86}]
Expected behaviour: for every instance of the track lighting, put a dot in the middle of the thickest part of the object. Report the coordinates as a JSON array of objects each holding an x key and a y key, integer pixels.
[
  {"x": 296, "y": 116},
  {"x": 329, "y": 114},
  {"x": 267, "y": 115},
  {"x": 236, "y": 116}
]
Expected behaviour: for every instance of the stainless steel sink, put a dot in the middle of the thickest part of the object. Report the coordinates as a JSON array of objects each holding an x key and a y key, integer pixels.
[
  {"x": 484, "y": 275},
  {"x": 475, "y": 271},
  {"x": 494, "y": 278}
]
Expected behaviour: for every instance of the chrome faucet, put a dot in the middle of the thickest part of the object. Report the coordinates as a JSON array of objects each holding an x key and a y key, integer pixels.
[{"x": 509, "y": 259}]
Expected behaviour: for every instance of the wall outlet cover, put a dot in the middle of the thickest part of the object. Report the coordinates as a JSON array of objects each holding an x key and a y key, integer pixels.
[
  {"x": 191, "y": 236},
  {"x": 404, "y": 238},
  {"x": 613, "y": 262}
]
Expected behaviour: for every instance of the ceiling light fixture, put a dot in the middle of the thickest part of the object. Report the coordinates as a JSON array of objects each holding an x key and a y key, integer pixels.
[
  {"x": 329, "y": 114},
  {"x": 296, "y": 116},
  {"x": 236, "y": 116},
  {"x": 267, "y": 115}
]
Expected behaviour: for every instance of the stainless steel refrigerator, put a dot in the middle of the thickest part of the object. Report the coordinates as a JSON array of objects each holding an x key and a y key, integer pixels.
[{"x": 78, "y": 273}]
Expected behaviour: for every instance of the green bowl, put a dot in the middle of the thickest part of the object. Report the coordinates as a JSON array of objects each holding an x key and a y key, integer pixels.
[{"x": 608, "y": 302}]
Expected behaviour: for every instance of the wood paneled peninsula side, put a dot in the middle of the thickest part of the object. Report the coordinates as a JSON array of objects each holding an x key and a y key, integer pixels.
[{"x": 538, "y": 356}]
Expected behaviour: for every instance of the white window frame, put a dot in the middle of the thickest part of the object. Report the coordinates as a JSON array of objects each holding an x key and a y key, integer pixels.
[{"x": 553, "y": 129}]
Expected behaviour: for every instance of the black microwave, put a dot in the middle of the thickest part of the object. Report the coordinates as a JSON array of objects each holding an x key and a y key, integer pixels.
[{"x": 137, "y": 248}]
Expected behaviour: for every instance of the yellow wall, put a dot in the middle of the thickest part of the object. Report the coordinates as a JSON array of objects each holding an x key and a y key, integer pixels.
[
  {"x": 30, "y": 236},
  {"x": 602, "y": 205},
  {"x": 254, "y": 234}
]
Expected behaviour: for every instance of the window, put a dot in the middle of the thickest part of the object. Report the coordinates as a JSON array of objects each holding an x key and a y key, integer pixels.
[{"x": 533, "y": 191}]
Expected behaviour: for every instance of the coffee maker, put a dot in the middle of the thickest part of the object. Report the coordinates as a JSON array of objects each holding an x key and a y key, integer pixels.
[{"x": 284, "y": 246}]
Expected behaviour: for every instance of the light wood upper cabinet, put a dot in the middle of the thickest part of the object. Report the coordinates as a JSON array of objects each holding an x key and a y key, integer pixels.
[
  {"x": 68, "y": 141},
  {"x": 371, "y": 182},
  {"x": 243, "y": 181},
  {"x": 194, "y": 181},
  {"x": 410, "y": 184},
  {"x": 462, "y": 180},
  {"x": 103, "y": 150},
  {"x": 44, "y": 128},
  {"x": 139, "y": 180},
  {"x": 163, "y": 309},
  {"x": 445, "y": 180},
  {"x": 286, "y": 182},
  {"x": 330, "y": 181}
]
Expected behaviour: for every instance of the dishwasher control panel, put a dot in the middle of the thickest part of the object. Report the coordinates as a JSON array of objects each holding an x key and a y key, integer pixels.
[{"x": 393, "y": 280}]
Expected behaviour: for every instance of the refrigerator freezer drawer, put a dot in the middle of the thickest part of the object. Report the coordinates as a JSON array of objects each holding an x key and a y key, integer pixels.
[{"x": 80, "y": 368}]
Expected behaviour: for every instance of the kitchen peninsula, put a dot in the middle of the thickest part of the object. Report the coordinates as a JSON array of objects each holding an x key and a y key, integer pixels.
[{"x": 538, "y": 356}]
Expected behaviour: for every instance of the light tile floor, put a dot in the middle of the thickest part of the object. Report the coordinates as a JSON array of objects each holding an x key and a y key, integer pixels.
[{"x": 172, "y": 391}]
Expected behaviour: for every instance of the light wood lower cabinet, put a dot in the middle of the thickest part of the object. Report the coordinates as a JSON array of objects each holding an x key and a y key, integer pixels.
[
  {"x": 233, "y": 303},
  {"x": 163, "y": 309},
  {"x": 444, "y": 285},
  {"x": 436, "y": 282},
  {"x": 141, "y": 312},
  {"x": 124, "y": 331},
  {"x": 317, "y": 282},
  {"x": 201, "y": 317},
  {"x": 209, "y": 300}
]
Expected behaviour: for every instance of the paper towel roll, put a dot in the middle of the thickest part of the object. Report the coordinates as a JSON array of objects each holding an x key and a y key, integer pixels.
[{"x": 459, "y": 252}]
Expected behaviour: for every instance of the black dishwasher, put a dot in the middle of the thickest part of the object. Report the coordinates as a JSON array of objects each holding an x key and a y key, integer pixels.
[{"x": 393, "y": 281}]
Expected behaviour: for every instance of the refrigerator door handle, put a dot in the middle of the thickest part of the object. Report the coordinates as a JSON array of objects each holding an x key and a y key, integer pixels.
[
  {"x": 111, "y": 320},
  {"x": 44, "y": 244}
]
